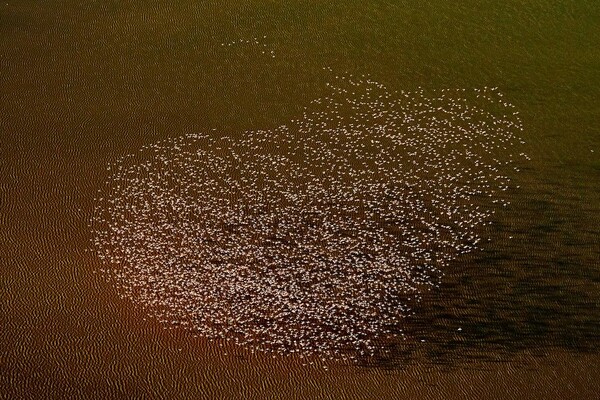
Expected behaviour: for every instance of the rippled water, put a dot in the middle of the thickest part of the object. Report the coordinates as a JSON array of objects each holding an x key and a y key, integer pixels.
[{"x": 83, "y": 87}]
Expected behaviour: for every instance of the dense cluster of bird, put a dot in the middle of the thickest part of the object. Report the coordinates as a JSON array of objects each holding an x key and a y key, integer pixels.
[{"x": 316, "y": 237}]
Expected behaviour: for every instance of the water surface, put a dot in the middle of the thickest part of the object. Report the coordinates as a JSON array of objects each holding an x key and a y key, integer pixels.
[{"x": 82, "y": 85}]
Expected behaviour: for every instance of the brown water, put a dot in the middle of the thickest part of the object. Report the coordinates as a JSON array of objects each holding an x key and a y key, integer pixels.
[{"x": 82, "y": 85}]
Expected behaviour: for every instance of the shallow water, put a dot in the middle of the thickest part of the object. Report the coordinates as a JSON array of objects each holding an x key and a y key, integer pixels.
[{"x": 82, "y": 86}]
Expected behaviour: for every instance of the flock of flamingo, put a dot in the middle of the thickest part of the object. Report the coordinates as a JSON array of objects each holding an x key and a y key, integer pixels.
[{"x": 317, "y": 237}]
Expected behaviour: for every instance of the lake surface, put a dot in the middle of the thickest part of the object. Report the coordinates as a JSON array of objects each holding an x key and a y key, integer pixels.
[{"x": 83, "y": 85}]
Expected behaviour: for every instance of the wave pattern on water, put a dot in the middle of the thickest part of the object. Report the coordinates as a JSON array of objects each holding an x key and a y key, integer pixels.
[{"x": 315, "y": 237}]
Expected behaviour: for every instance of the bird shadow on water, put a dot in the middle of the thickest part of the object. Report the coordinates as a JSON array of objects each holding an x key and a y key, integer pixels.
[{"x": 531, "y": 290}]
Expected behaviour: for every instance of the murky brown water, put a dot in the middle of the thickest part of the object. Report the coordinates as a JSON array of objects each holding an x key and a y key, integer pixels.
[{"x": 82, "y": 86}]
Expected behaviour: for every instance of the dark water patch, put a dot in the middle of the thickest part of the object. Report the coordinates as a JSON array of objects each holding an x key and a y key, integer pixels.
[{"x": 534, "y": 289}]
